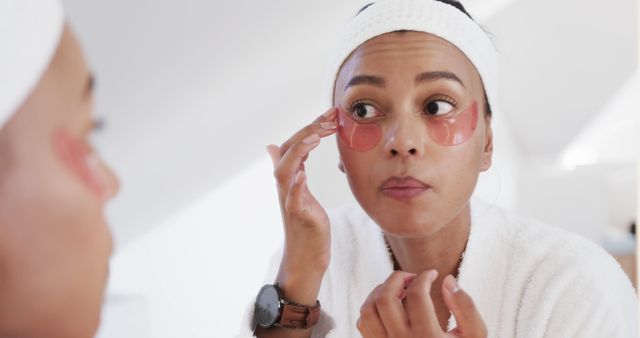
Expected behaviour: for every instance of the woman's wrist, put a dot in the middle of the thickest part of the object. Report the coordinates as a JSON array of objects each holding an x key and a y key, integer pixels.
[
  {"x": 306, "y": 257},
  {"x": 300, "y": 287}
]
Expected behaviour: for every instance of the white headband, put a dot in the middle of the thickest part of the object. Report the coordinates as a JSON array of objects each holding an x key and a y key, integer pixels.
[
  {"x": 30, "y": 31},
  {"x": 430, "y": 16}
]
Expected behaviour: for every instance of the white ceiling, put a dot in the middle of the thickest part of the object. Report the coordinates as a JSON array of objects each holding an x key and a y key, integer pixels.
[{"x": 192, "y": 91}]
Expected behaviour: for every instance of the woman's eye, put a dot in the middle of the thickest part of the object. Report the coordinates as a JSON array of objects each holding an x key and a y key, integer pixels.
[
  {"x": 439, "y": 107},
  {"x": 364, "y": 111}
]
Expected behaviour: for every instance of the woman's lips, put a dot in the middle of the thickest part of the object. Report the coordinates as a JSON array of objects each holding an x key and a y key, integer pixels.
[{"x": 403, "y": 188}]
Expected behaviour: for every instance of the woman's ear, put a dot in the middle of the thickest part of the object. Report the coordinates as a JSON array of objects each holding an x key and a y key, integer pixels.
[{"x": 487, "y": 151}]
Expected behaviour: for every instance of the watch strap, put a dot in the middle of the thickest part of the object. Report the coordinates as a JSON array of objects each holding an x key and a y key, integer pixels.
[{"x": 296, "y": 316}]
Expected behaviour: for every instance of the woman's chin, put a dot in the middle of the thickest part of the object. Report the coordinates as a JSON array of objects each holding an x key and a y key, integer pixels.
[{"x": 406, "y": 226}]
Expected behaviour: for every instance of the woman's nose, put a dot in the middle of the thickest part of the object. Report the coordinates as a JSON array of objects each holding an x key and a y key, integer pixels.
[
  {"x": 110, "y": 181},
  {"x": 406, "y": 137},
  {"x": 114, "y": 183}
]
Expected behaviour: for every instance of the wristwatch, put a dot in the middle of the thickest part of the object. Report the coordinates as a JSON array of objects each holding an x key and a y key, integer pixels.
[{"x": 272, "y": 310}]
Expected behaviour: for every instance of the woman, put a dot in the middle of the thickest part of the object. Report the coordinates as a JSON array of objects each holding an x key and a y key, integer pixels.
[
  {"x": 414, "y": 88},
  {"x": 54, "y": 240}
]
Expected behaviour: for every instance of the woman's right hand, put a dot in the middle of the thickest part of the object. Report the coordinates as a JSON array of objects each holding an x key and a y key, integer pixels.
[{"x": 307, "y": 248}]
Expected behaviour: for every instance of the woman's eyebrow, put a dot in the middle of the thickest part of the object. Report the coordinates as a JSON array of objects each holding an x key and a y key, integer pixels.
[
  {"x": 437, "y": 75},
  {"x": 366, "y": 79}
]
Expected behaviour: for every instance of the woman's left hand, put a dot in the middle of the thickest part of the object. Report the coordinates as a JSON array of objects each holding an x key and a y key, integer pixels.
[{"x": 402, "y": 307}]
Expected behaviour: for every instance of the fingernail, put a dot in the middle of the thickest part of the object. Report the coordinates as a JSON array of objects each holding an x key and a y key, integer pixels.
[
  {"x": 452, "y": 285},
  {"x": 328, "y": 125},
  {"x": 313, "y": 138},
  {"x": 299, "y": 177},
  {"x": 432, "y": 274}
]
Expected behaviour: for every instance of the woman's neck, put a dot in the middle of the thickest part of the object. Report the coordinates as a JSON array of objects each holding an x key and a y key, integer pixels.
[{"x": 441, "y": 250}]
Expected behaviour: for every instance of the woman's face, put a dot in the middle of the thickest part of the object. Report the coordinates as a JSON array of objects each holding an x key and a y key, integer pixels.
[
  {"x": 416, "y": 108},
  {"x": 54, "y": 241}
]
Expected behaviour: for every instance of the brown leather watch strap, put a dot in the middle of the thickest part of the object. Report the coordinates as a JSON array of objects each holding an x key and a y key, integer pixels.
[{"x": 296, "y": 316}]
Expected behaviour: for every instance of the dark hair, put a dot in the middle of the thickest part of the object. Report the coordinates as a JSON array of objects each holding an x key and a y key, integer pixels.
[
  {"x": 457, "y": 5},
  {"x": 453, "y": 3},
  {"x": 461, "y": 8}
]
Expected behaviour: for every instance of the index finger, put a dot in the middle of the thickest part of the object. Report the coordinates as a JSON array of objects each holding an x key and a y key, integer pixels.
[
  {"x": 419, "y": 305},
  {"x": 315, "y": 127},
  {"x": 389, "y": 303}
]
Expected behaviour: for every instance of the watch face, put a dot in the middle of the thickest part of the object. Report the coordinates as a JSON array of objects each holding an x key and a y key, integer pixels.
[{"x": 267, "y": 306}]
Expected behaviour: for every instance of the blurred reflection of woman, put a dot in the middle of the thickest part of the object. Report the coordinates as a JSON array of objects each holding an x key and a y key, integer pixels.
[{"x": 54, "y": 241}]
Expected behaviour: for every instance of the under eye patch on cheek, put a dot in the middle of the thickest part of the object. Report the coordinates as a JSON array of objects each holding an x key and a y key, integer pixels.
[
  {"x": 357, "y": 136},
  {"x": 454, "y": 130},
  {"x": 81, "y": 160},
  {"x": 444, "y": 130}
]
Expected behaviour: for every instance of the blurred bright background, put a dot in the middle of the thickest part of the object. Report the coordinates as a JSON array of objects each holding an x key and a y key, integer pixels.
[{"x": 191, "y": 92}]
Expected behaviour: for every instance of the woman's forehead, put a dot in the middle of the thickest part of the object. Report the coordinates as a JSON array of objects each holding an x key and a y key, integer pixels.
[{"x": 410, "y": 51}]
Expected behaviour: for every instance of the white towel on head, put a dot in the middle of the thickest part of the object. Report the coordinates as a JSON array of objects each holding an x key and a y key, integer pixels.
[
  {"x": 434, "y": 17},
  {"x": 30, "y": 31}
]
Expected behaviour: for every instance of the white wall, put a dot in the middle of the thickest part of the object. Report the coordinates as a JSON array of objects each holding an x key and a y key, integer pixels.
[
  {"x": 586, "y": 200},
  {"x": 589, "y": 187},
  {"x": 194, "y": 274}
]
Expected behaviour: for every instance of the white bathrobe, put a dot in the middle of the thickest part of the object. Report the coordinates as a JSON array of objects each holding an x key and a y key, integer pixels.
[{"x": 527, "y": 279}]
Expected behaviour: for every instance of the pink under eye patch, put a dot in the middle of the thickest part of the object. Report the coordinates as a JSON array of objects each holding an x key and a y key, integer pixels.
[
  {"x": 445, "y": 130},
  {"x": 81, "y": 160},
  {"x": 454, "y": 130},
  {"x": 357, "y": 136}
]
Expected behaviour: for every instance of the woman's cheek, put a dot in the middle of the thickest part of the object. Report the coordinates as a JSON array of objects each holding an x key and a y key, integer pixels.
[{"x": 360, "y": 169}]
